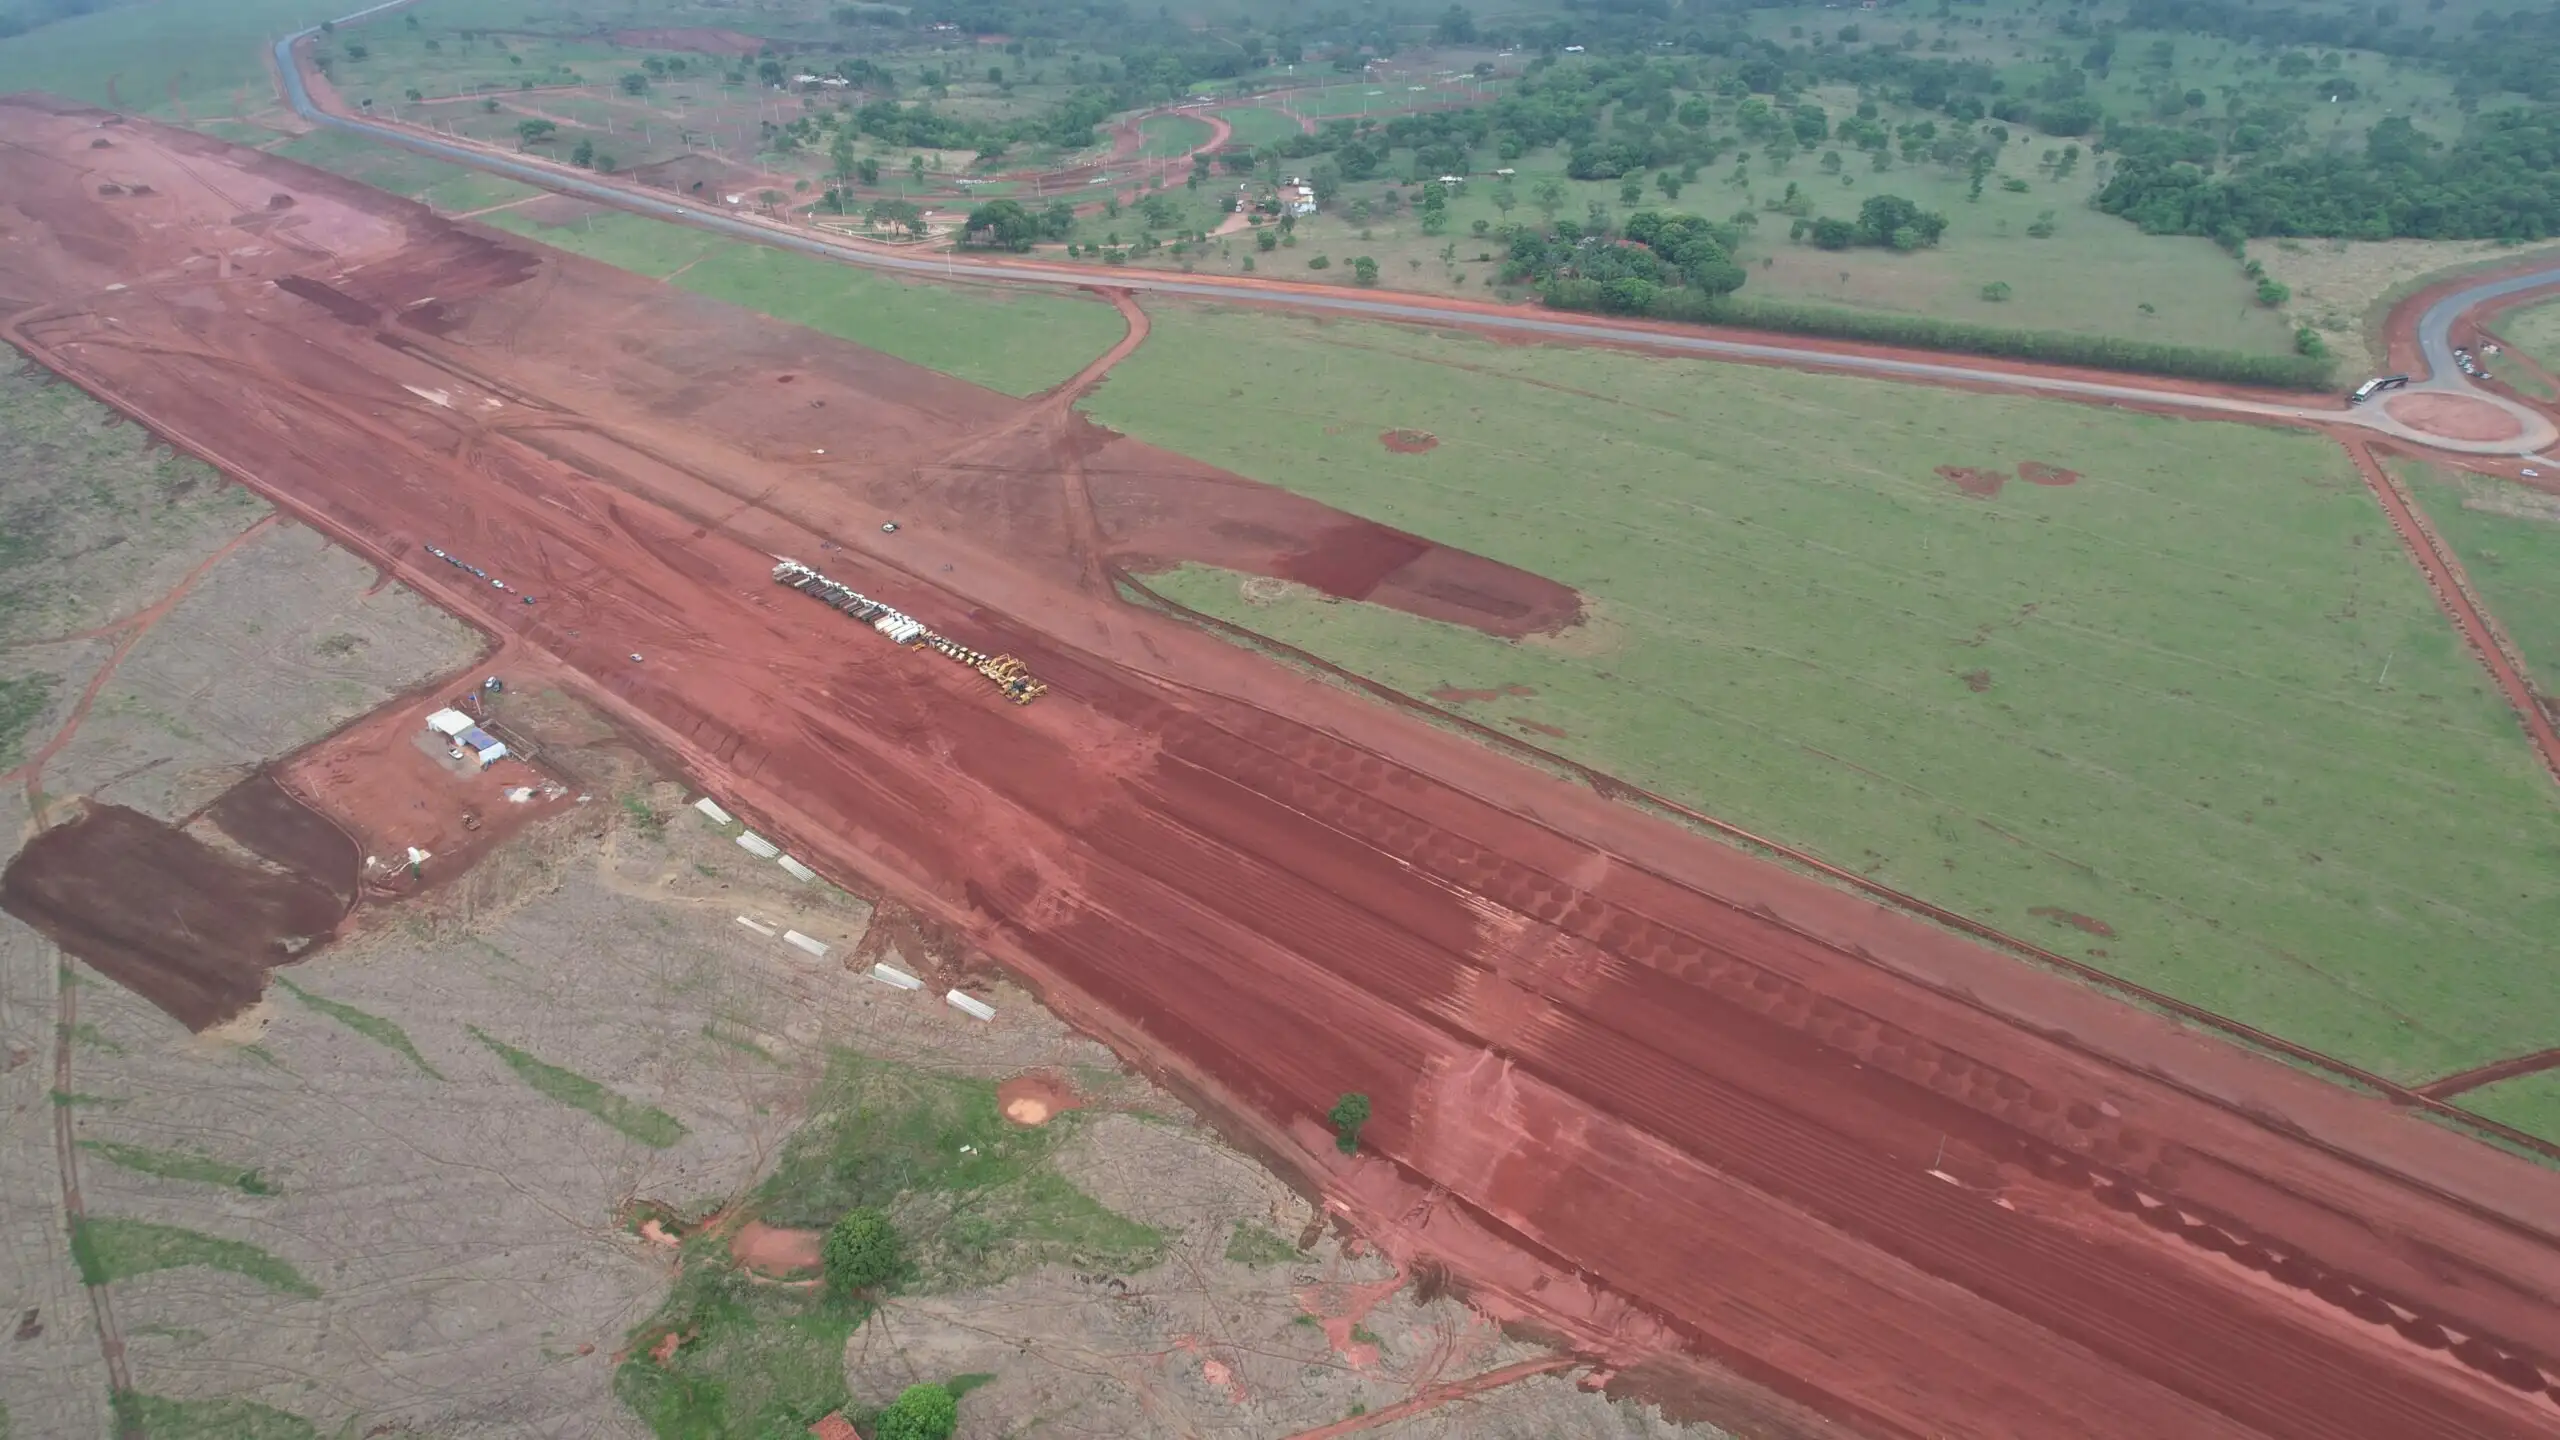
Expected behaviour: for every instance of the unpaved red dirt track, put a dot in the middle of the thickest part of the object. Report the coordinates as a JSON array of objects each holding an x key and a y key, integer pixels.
[{"x": 1664, "y": 1101}]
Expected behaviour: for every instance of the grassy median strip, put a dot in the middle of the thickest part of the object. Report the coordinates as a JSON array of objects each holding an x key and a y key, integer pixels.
[{"x": 647, "y": 1124}]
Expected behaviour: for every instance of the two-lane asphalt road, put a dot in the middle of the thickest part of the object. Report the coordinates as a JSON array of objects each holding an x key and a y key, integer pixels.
[{"x": 2538, "y": 432}]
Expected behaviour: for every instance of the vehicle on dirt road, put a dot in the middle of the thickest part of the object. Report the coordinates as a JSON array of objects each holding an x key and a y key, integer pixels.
[{"x": 2376, "y": 386}]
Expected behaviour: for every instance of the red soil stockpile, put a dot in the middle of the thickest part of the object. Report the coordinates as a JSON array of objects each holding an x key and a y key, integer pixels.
[
  {"x": 1638, "y": 1090},
  {"x": 1036, "y": 1099}
]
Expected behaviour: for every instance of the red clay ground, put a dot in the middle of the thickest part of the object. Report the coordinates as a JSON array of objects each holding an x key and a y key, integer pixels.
[
  {"x": 377, "y": 780},
  {"x": 1672, "y": 1104},
  {"x": 2455, "y": 417},
  {"x": 1036, "y": 1099}
]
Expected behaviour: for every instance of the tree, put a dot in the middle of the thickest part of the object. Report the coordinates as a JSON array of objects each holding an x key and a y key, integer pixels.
[
  {"x": 1058, "y": 221},
  {"x": 585, "y": 154},
  {"x": 1893, "y": 221},
  {"x": 1456, "y": 27},
  {"x": 1631, "y": 191},
  {"x": 915, "y": 168},
  {"x": 899, "y": 214},
  {"x": 1668, "y": 184},
  {"x": 534, "y": 132},
  {"x": 357, "y": 52},
  {"x": 1000, "y": 225},
  {"x": 867, "y": 170},
  {"x": 921, "y": 1412},
  {"x": 634, "y": 83},
  {"x": 1549, "y": 195},
  {"x": 860, "y": 1251},
  {"x": 2272, "y": 294},
  {"x": 1364, "y": 270},
  {"x": 1997, "y": 290},
  {"x": 1351, "y": 1111}
]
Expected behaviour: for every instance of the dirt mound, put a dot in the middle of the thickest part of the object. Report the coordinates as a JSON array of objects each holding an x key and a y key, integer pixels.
[
  {"x": 1977, "y": 681},
  {"x": 2036, "y": 472},
  {"x": 1036, "y": 1099},
  {"x": 768, "y": 1250},
  {"x": 1408, "y": 442},
  {"x": 698, "y": 41},
  {"x": 1980, "y": 484},
  {"x": 186, "y": 926},
  {"x": 2075, "y": 920}
]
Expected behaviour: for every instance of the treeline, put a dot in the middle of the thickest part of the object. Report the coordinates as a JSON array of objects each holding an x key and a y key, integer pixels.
[
  {"x": 17, "y": 20},
  {"x": 2290, "y": 372},
  {"x": 1662, "y": 255},
  {"x": 2516, "y": 50},
  {"x": 2500, "y": 181}
]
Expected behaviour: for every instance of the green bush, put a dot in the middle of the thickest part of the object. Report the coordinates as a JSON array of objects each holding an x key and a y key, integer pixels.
[
  {"x": 861, "y": 1250},
  {"x": 2307, "y": 370},
  {"x": 1348, "y": 1114},
  {"x": 921, "y": 1412}
]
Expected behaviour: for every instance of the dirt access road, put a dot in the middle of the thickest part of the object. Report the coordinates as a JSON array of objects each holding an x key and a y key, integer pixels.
[{"x": 1789, "y": 1157}]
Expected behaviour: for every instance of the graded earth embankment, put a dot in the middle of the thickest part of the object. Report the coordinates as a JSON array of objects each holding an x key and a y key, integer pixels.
[{"x": 1631, "y": 1087}]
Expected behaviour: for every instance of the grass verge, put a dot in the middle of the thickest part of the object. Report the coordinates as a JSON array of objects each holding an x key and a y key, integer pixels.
[
  {"x": 162, "y": 1418},
  {"x": 1015, "y": 342},
  {"x": 647, "y": 1124},
  {"x": 2530, "y": 1103},
  {"x": 2193, "y": 718},
  {"x": 2508, "y": 540},
  {"x": 372, "y": 1027},
  {"x": 180, "y": 1165},
  {"x": 108, "y": 1249}
]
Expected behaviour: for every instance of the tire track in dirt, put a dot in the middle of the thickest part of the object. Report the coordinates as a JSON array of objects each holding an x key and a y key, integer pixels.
[
  {"x": 2455, "y": 1084},
  {"x": 2452, "y": 588},
  {"x": 66, "y": 1157},
  {"x": 1433, "y": 1397},
  {"x": 136, "y": 627}
]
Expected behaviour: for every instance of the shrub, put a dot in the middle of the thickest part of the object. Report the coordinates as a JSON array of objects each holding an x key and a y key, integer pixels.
[
  {"x": 921, "y": 1412},
  {"x": 2272, "y": 294},
  {"x": 1347, "y": 1115},
  {"x": 1997, "y": 290},
  {"x": 1318, "y": 262},
  {"x": 860, "y": 1251}
]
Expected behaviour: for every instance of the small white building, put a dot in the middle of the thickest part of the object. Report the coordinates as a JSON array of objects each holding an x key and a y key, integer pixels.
[{"x": 1297, "y": 197}]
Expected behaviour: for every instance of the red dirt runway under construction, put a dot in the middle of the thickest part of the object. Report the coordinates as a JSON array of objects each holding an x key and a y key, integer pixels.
[{"x": 1792, "y": 1159}]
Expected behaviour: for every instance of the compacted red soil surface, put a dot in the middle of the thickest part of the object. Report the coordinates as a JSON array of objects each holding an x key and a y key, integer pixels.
[{"x": 1782, "y": 1156}]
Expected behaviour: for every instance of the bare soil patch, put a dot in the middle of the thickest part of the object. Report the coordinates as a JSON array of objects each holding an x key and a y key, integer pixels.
[
  {"x": 2075, "y": 920},
  {"x": 2037, "y": 472},
  {"x": 184, "y": 925},
  {"x": 1540, "y": 727},
  {"x": 264, "y": 816},
  {"x": 1036, "y": 1098},
  {"x": 1408, "y": 442},
  {"x": 1980, "y": 484},
  {"x": 1457, "y": 696},
  {"x": 775, "y": 1252},
  {"x": 2455, "y": 417},
  {"x": 1977, "y": 681},
  {"x": 1351, "y": 561}
]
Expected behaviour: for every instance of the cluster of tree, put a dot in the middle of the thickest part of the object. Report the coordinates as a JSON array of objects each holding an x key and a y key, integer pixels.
[
  {"x": 1885, "y": 221},
  {"x": 1011, "y": 225},
  {"x": 1629, "y": 273},
  {"x": 2517, "y": 50},
  {"x": 2501, "y": 180},
  {"x": 36, "y": 14}
]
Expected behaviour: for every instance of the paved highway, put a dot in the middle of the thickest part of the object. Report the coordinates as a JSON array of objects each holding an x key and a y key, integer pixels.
[{"x": 2539, "y": 433}]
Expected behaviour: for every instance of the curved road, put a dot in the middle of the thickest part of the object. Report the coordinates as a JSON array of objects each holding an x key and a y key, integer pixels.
[{"x": 2434, "y": 328}]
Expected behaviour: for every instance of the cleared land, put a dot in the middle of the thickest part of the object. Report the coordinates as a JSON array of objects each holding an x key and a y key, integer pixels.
[
  {"x": 1635, "y": 1086},
  {"x": 1256, "y": 125},
  {"x": 2142, "y": 716}
]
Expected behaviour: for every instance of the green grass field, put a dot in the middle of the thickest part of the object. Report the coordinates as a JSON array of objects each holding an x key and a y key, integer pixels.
[
  {"x": 2530, "y": 1103},
  {"x": 2536, "y": 331},
  {"x": 206, "y": 56},
  {"x": 2508, "y": 539},
  {"x": 1257, "y": 126},
  {"x": 452, "y": 189},
  {"x": 1165, "y": 137},
  {"x": 2154, "y": 697},
  {"x": 1017, "y": 343},
  {"x": 108, "y": 1249}
]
